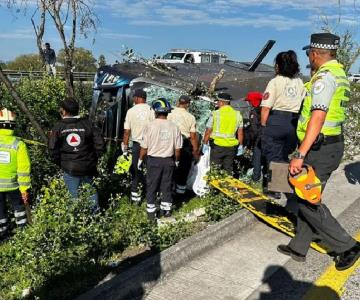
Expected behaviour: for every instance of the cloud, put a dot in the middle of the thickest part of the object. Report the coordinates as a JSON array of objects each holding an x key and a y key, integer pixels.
[
  {"x": 115, "y": 36},
  {"x": 278, "y": 14},
  {"x": 18, "y": 34},
  {"x": 270, "y": 13}
]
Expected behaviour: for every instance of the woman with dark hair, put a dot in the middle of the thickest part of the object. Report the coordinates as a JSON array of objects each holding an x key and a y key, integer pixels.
[{"x": 279, "y": 110}]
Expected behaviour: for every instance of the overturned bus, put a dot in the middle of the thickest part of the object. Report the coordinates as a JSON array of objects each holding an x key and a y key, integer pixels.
[{"x": 114, "y": 85}]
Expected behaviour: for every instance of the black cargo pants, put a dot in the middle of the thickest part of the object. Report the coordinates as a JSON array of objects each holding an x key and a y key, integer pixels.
[
  {"x": 159, "y": 178},
  {"x": 316, "y": 221},
  {"x": 223, "y": 157},
  {"x": 137, "y": 176},
  {"x": 19, "y": 210},
  {"x": 182, "y": 172}
]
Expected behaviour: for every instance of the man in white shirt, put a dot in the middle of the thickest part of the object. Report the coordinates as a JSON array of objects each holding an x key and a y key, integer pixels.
[
  {"x": 162, "y": 142},
  {"x": 136, "y": 119},
  {"x": 190, "y": 150}
]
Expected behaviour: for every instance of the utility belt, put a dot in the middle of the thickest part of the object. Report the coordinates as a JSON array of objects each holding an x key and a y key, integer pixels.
[
  {"x": 323, "y": 140},
  {"x": 284, "y": 113}
]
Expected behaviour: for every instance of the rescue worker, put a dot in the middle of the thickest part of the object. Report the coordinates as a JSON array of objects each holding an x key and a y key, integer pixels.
[
  {"x": 161, "y": 143},
  {"x": 136, "y": 119},
  {"x": 252, "y": 135},
  {"x": 14, "y": 173},
  {"x": 190, "y": 149},
  {"x": 321, "y": 146},
  {"x": 279, "y": 112},
  {"x": 225, "y": 128},
  {"x": 75, "y": 145}
]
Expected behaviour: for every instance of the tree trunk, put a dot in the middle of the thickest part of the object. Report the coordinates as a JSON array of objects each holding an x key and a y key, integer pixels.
[
  {"x": 69, "y": 79},
  {"x": 40, "y": 30},
  {"x": 22, "y": 105}
]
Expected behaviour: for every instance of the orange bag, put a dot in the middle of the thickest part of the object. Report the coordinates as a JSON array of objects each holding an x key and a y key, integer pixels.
[{"x": 307, "y": 186}]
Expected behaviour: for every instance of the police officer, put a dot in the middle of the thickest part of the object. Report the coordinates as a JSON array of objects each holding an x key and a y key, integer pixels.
[
  {"x": 162, "y": 142},
  {"x": 225, "y": 128},
  {"x": 279, "y": 111},
  {"x": 14, "y": 173},
  {"x": 75, "y": 145},
  {"x": 190, "y": 150},
  {"x": 136, "y": 119},
  {"x": 321, "y": 146}
]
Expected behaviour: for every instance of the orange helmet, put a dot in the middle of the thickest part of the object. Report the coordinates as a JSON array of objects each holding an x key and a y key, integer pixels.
[{"x": 307, "y": 186}]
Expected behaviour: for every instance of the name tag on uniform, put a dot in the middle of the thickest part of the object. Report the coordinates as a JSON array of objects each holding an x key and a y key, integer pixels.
[{"x": 4, "y": 157}]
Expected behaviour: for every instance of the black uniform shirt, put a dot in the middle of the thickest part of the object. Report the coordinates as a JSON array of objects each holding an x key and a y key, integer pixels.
[{"x": 75, "y": 145}]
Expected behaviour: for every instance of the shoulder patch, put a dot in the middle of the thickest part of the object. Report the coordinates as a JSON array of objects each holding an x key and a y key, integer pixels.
[
  {"x": 318, "y": 87},
  {"x": 266, "y": 96}
]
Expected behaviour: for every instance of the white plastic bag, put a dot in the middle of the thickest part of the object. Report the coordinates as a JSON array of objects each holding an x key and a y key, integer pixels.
[{"x": 200, "y": 186}]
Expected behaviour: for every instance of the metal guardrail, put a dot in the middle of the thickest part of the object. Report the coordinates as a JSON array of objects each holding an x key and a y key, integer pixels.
[{"x": 14, "y": 75}]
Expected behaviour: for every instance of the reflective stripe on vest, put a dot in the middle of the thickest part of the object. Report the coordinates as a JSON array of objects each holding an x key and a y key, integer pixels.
[
  {"x": 9, "y": 186},
  {"x": 335, "y": 115},
  {"x": 216, "y": 132},
  {"x": 326, "y": 123},
  {"x": 224, "y": 133},
  {"x": 13, "y": 146},
  {"x": 23, "y": 174},
  {"x": 8, "y": 171}
]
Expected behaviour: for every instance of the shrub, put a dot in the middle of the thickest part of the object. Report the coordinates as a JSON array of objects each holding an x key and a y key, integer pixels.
[
  {"x": 65, "y": 236},
  {"x": 42, "y": 97},
  {"x": 352, "y": 124}
]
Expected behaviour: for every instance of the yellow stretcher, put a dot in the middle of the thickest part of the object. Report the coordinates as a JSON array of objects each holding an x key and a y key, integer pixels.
[{"x": 262, "y": 207}]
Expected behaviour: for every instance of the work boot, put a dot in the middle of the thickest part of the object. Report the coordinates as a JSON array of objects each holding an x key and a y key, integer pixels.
[
  {"x": 165, "y": 213},
  {"x": 285, "y": 249},
  {"x": 348, "y": 258}
]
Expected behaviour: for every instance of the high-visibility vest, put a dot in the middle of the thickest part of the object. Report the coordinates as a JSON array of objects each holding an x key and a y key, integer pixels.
[
  {"x": 225, "y": 125},
  {"x": 14, "y": 163},
  {"x": 335, "y": 116}
]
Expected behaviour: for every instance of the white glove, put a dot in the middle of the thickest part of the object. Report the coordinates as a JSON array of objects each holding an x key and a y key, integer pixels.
[
  {"x": 205, "y": 148},
  {"x": 177, "y": 163},
  {"x": 240, "y": 150},
  {"x": 140, "y": 161}
]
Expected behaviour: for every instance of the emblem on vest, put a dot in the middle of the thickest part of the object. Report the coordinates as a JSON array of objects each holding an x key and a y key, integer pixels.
[{"x": 73, "y": 140}]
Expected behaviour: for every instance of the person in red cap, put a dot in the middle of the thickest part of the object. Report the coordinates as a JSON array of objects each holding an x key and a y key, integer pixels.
[{"x": 253, "y": 136}]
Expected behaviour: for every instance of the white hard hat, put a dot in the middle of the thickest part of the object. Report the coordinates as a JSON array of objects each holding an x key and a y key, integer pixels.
[{"x": 7, "y": 117}]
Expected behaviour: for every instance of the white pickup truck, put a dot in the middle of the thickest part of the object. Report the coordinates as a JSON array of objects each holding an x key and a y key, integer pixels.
[
  {"x": 354, "y": 78},
  {"x": 183, "y": 56}
]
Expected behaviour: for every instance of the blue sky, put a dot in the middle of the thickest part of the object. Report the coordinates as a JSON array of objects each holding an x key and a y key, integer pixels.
[{"x": 238, "y": 27}]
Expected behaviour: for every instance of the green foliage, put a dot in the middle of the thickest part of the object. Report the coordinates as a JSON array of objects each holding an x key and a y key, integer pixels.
[
  {"x": 349, "y": 49},
  {"x": 352, "y": 123},
  {"x": 42, "y": 98},
  {"x": 84, "y": 60},
  {"x": 67, "y": 248},
  {"x": 65, "y": 236},
  {"x": 220, "y": 207},
  {"x": 25, "y": 62}
]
